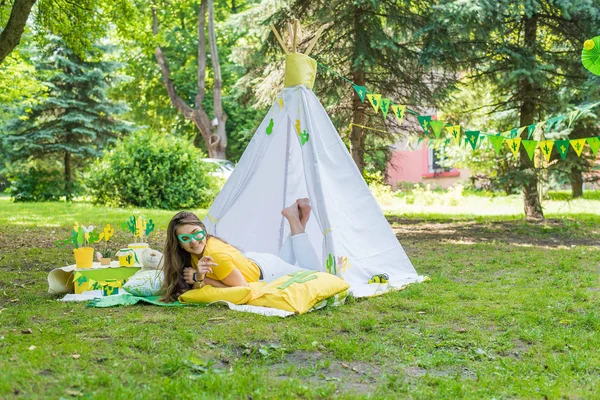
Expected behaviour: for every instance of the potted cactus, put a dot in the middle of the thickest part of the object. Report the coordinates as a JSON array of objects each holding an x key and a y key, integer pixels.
[{"x": 107, "y": 253}]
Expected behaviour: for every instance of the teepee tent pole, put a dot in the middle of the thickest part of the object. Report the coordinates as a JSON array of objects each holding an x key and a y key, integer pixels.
[
  {"x": 278, "y": 37},
  {"x": 314, "y": 40}
]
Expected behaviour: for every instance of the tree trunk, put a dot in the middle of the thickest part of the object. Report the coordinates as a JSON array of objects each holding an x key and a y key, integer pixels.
[
  {"x": 529, "y": 93},
  {"x": 11, "y": 35},
  {"x": 576, "y": 182},
  {"x": 68, "y": 181},
  {"x": 357, "y": 135},
  {"x": 214, "y": 136}
]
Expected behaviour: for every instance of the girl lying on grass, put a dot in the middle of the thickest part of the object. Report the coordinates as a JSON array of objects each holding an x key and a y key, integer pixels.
[{"x": 193, "y": 258}]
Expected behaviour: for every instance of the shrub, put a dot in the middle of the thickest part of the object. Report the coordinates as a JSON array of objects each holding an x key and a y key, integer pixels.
[
  {"x": 152, "y": 171},
  {"x": 39, "y": 181}
]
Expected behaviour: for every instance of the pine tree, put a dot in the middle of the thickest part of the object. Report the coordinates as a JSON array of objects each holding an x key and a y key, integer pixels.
[
  {"x": 528, "y": 51},
  {"x": 76, "y": 120}
]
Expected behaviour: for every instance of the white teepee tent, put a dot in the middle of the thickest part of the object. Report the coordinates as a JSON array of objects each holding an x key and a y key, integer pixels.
[{"x": 296, "y": 152}]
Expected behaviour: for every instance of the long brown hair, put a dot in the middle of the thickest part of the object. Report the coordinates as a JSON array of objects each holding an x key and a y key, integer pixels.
[{"x": 176, "y": 258}]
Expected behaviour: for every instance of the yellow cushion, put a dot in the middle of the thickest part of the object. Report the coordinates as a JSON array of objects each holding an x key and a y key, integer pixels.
[
  {"x": 208, "y": 294},
  {"x": 298, "y": 292}
]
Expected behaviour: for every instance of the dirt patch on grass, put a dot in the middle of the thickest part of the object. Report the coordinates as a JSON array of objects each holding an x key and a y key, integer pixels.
[{"x": 550, "y": 233}]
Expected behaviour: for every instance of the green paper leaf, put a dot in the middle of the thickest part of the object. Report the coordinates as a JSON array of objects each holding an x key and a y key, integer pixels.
[
  {"x": 472, "y": 137},
  {"x": 385, "y": 107},
  {"x": 424, "y": 121},
  {"x": 529, "y": 146},
  {"x": 594, "y": 143},
  {"x": 361, "y": 91},
  {"x": 496, "y": 142},
  {"x": 80, "y": 236},
  {"x": 563, "y": 148},
  {"x": 270, "y": 127},
  {"x": 437, "y": 127}
]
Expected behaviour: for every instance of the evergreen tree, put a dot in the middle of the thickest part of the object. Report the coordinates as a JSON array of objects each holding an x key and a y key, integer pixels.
[
  {"x": 528, "y": 51},
  {"x": 76, "y": 120}
]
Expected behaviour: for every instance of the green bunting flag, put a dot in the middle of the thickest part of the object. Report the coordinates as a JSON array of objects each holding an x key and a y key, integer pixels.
[
  {"x": 529, "y": 146},
  {"x": 496, "y": 142},
  {"x": 361, "y": 91},
  {"x": 424, "y": 120},
  {"x": 530, "y": 130},
  {"x": 472, "y": 138},
  {"x": 513, "y": 145},
  {"x": 399, "y": 112},
  {"x": 546, "y": 146},
  {"x": 577, "y": 145},
  {"x": 375, "y": 99},
  {"x": 454, "y": 131},
  {"x": 514, "y": 133},
  {"x": 385, "y": 107},
  {"x": 594, "y": 143},
  {"x": 573, "y": 116},
  {"x": 563, "y": 148},
  {"x": 437, "y": 127},
  {"x": 553, "y": 122}
]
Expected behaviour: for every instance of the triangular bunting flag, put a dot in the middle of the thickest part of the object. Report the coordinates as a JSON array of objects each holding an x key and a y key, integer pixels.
[
  {"x": 529, "y": 146},
  {"x": 563, "y": 148},
  {"x": 361, "y": 91},
  {"x": 454, "y": 131},
  {"x": 399, "y": 112},
  {"x": 594, "y": 143},
  {"x": 496, "y": 142},
  {"x": 472, "y": 138},
  {"x": 577, "y": 145},
  {"x": 573, "y": 116},
  {"x": 530, "y": 130},
  {"x": 553, "y": 122},
  {"x": 546, "y": 146},
  {"x": 424, "y": 120},
  {"x": 437, "y": 127},
  {"x": 514, "y": 133},
  {"x": 513, "y": 145},
  {"x": 375, "y": 100},
  {"x": 520, "y": 130},
  {"x": 385, "y": 107}
]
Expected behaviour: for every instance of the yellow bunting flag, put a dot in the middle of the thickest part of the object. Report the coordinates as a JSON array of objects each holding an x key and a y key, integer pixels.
[
  {"x": 546, "y": 146},
  {"x": 454, "y": 131},
  {"x": 577, "y": 145},
  {"x": 514, "y": 145},
  {"x": 375, "y": 100},
  {"x": 399, "y": 112}
]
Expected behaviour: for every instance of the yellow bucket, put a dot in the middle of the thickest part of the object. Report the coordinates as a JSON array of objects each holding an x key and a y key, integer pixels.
[
  {"x": 84, "y": 257},
  {"x": 127, "y": 257}
]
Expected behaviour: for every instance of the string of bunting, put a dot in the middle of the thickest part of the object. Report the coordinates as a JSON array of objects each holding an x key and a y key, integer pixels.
[{"x": 433, "y": 128}]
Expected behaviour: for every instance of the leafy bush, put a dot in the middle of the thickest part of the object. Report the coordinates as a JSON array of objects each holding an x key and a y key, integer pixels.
[
  {"x": 425, "y": 196},
  {"x": 38, "y": 182},
  {"x": 152, "y": 171}
]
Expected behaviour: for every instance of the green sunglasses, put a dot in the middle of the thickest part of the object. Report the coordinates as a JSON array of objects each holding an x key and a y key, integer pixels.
[{"x": 187, "y": 237}]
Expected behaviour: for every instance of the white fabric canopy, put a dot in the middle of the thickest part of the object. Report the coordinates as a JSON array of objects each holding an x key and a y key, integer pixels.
[{"x": 347, "y": 228}]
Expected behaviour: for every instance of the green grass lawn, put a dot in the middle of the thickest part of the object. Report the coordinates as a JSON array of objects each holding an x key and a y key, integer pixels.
[{"x": 511, "y": 311}]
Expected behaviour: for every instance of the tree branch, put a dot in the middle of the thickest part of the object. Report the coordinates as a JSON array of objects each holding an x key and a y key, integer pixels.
[
  {"x": 177, "y": 101},
  {"x": 201, "y": 54},
  {"x": 11, "y": 35},
  {"x": 217, "y": 103}
]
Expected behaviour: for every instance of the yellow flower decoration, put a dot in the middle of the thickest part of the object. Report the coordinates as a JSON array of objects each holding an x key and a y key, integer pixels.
[{"x": 589, "y": 44}]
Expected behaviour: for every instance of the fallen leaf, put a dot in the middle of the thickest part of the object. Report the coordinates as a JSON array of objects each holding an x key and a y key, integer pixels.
[
  {"x": 345, "y": 365},
  {"x": 12, "y": 359},
  {"x": 75, "y": 356},
  {"x": 421, "y": 312},
  {"x": 73, "y": 392},
  {"x": 32, "y": 347},
  {"x": 216, "y": 318},
  {"x": 14, "y": 300},
  {"x": 461, "y": 330},
  {"x": 26, "y": 331}
]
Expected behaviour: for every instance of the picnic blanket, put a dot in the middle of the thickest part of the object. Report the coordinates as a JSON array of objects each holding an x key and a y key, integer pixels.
[{"x": 129, "y": 299}]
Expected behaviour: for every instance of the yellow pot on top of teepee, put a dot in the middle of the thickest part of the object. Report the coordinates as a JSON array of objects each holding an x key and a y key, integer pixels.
[{"x": 84, "y": 257}]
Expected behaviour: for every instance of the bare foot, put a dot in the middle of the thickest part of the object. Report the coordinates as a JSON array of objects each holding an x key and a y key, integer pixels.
[
  {"x": 304, "y": 206},
  {"x": 292, "y": 213}
]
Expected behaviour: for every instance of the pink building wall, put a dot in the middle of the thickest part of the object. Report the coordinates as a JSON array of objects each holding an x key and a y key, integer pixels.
[{"x": 413, "y": 166}]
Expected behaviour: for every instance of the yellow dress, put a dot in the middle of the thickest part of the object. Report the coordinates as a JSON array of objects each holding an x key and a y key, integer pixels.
[{"x": 227, "y": 257}]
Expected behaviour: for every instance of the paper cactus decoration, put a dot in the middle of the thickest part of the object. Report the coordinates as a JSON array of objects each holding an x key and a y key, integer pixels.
[
  {"x": 590, "y": 55},
  {"x": 139, "y": 227},
  {"x": 81, "y": 236}
]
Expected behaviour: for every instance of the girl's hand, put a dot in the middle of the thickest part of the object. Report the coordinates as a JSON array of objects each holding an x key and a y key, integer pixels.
[{"x": 204, "y": 267}]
